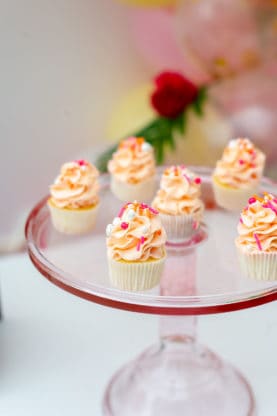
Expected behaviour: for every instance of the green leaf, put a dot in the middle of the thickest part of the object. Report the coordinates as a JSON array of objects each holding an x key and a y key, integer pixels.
[
  {"x": 178, "y": 123},
  {"x": 198, "y": 103}
]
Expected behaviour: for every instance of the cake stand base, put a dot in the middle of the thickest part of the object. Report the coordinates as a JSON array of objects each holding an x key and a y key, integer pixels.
[{"x": 178, "y": 378}]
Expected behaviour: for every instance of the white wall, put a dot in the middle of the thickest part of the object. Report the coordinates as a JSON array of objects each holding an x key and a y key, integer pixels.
[{"x": 64, "y": 63}]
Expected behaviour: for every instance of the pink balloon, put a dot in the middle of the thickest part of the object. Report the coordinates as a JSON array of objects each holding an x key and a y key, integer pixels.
[
  {"x": 154, "y": 34},
  {"x": 250, "y": 102},
  {"x": 222, "y": 34}
]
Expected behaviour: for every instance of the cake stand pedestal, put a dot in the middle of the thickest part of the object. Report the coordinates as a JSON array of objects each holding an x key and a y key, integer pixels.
[{"x": 178, "y": 376}]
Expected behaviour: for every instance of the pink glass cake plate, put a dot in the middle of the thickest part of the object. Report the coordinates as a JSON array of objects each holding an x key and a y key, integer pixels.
[{"x": 178, "y": 376}]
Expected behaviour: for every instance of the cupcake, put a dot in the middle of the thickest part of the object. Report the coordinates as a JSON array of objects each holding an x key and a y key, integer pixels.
[
  {"x": 136, "y": 248},
  {"x": 178, "y": 202},
  {"x": 74, "y": 201},
  {"x": 132, "y": 170},
  {"x": 257, "y": 240},
  {"x": 237, "y": 175}
]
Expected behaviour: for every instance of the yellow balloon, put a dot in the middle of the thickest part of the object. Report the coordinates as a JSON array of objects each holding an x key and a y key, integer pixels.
[
  {"x": 131, "y": 113},
  {"x": 150, "y": 3},
  {"x": 204, "y": 138}
]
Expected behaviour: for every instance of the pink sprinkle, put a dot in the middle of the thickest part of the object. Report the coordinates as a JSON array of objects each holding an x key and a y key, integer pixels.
[
  {"x": 251, "y": 200},
  {"x": 240, "y": 220},
  {"x": 187, "y": 177},
  {"x": 197, "y": 181},
  {"x": 275, "y": 200},
  {"x": 121, "y": 212},
  {"x": 241, "y": 162},
  {"x": 124, "y": 225},
  {"x": 138, "y": 246},
  {"x": 258, "y": 242},
  {"x": 154, "y": 211},
  {"x": 142, "y": 240},
  {"x": 143, "y": 206},
  {"x": 183, "y": 167},
  {"x": 272, "y": 207}
]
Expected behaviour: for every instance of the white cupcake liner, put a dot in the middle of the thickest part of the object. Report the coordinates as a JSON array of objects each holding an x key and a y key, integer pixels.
[
  {"x": 232, "y": 199},
  {"x": 135, "y": 276},
  {"x": 142, "y": 191},
  {"x": 259, "y": 265},
  {"x": 73, "y": 221},
  {"x": 178, "y": 227}
]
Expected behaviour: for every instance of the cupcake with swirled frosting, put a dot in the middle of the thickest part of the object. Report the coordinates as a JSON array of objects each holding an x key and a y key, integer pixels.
[
  {"x": 74, "y": 198},
  {"x": 178, "y": 201},
  {"x": 257, "y": 240},
  {"x": 136, "y": 247},
  {"x": 237, "y": 174},
  {"x": 132, "y": 170}
]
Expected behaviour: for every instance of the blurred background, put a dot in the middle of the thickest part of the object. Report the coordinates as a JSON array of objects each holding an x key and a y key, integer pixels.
[{"x": 75, "y": 75}]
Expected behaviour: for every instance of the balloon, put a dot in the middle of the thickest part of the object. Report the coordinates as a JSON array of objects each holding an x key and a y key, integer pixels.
[
  {"x": 222, "y": 34},
  {"x": 204, "y": 139},
  {"x": 150, "y": 3},
  {"x": 154, "y": 35},
  {"x": 250, "y": 103}
]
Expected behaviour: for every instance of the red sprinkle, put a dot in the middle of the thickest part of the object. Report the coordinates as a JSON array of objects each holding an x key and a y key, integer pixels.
[
  {"x": 142, "y": 240},
  {"x": 258, "y": 242},
  {"x": 251, "y": 200},
  {"x": 241, "y": 162},
  {"x": 197, "y": 181},
  {"x": 124, "y": 225}
]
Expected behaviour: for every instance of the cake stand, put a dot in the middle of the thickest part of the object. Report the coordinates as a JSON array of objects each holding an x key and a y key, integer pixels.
[{"x": 178, "y": 376}]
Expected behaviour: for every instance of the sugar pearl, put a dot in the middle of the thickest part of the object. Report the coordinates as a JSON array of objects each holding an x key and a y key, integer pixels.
[{"x": 146, "y": 147}]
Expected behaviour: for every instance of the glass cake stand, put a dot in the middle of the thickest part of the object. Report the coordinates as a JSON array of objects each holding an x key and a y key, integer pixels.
[{"x": 178, "y": 376}]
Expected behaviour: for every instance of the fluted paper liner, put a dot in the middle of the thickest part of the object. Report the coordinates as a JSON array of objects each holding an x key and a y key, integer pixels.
[
  {"x": 73, "y": 221},
  {"x": 142, "y": 191},
  {"x": 135, "y": 276},
  {"x": 178, "y": 227},
  {"x": 259, "y": 265}
]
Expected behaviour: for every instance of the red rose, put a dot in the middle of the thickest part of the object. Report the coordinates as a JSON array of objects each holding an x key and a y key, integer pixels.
[{"x": 173, "y": 94}]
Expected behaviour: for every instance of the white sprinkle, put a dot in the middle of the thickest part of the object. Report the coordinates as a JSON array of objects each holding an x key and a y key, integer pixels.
[
  {"x": 130, "y": 215},
  {"x": 116, "y": 221},
  {"x": 109, "y": 229},
  {"x": 146, "y": 147}
]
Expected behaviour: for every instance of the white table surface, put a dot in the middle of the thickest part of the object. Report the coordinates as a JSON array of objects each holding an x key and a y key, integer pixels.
[{"x": 58, "y": 352}]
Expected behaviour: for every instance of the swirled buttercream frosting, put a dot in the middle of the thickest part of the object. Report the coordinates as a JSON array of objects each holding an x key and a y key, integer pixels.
[
  {"x": 133, "y": 162},
  {"x": 257, "y": 227},
  {"x": 136, "y": 235},
  {"x": 179, "y": 193},
  {"x": 241, "y": 165},
  {"x": 76, "y": 186}
]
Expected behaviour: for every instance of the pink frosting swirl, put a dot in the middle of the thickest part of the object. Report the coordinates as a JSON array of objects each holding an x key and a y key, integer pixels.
[
  {"x": 133, "y": 162},
  {"x": 258, "y": 225},
  {"x": 241, "y": 165},
  {"x": 179, "y": 193},
  {"x": 76, "y": 186},
  {"x": 136, "y": 235}
]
